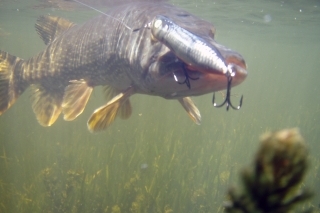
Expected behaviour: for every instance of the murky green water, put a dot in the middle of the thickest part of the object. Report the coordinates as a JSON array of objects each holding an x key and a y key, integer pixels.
[{"x": 158, "y": 160}]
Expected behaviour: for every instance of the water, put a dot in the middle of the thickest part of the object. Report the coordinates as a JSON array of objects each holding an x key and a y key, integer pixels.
[{"x": 65, "y": 168}]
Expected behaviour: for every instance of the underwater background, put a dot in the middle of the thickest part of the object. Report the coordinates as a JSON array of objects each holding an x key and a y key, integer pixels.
[{"x": 159, "y": 160}]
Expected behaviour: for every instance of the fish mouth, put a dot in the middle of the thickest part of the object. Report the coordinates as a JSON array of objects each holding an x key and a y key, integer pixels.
[
  {"x": 232, "y": 59},
  {"x": 174, "y": 73},
  {"x": 238, "y": 64},
  {"x": 216, "y": 80},
  {"x": 239, "y": 68}
]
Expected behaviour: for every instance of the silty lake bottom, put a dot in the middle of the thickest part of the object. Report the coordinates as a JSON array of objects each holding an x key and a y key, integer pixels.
[{"x": 159, "y": 157}]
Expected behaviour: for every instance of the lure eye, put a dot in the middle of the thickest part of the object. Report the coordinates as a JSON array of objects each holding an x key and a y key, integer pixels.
[{"x": 157, "y": 23}]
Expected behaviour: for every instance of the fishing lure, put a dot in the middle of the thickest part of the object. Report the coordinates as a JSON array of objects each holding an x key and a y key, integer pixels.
[{"x": 197, "y": 53}]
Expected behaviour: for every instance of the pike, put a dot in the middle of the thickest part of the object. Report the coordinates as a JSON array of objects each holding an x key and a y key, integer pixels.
[{"x": 106, "y": 51}]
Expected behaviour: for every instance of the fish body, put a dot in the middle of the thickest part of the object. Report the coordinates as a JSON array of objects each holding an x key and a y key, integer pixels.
[{"x": 103, "y": 51}]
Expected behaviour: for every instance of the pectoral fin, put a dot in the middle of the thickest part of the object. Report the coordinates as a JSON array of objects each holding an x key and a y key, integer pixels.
[
  {"x": 191, "y": 109},
  {"x": 75, "y": 99},
  {"x": 126, "y": 109},
  {"x": 46, "y": 104},
  {"x": 105, "y": 115}
]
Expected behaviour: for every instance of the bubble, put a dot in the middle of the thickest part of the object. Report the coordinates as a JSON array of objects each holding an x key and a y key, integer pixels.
[
  {"x": 144, "y": 166},
  {"x": 267, "y": 18}
]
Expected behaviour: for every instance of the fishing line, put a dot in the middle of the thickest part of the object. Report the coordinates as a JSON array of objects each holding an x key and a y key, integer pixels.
[{"x": 103, "y": 14}]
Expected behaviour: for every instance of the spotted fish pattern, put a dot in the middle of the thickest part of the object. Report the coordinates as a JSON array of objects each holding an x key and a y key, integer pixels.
[{"x": 105, "y": 52}]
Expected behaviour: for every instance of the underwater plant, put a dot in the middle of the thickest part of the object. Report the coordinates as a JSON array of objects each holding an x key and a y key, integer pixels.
[{"x": 272, "y": 184}]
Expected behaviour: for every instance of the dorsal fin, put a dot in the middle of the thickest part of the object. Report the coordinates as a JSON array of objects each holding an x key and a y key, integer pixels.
[{"x": 49, "y": 27}]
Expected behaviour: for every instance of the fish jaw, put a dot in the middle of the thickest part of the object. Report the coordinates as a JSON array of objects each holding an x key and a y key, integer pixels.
[
  {"x": 169, "y": 85},
  {"x": 207, "y": 82},
  {"x": 212, "y": 82}
]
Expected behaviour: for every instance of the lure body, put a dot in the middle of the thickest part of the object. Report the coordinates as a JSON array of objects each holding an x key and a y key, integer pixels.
[{"x": 197, "y": 53}]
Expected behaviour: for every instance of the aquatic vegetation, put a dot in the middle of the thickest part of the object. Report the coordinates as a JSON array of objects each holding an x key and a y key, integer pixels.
[
  {"x": 147, "y": 174},
  {"x": 273, "y": 183},
  {"x": 4, "y": 157}
]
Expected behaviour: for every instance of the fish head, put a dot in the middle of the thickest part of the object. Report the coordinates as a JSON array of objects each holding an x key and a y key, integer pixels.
[{"x": 170, "y": 74}]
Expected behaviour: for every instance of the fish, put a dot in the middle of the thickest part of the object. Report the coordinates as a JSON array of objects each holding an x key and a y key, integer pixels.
[{"x": 106, "y": 51}]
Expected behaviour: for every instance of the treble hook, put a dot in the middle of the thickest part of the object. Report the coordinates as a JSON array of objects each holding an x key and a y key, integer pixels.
[
  {"x": 186, "y": 80},
  {"x": 227, "y": 99}
]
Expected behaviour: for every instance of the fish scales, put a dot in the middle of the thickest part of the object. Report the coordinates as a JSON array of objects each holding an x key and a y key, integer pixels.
[{"x": 103, "y": 51}]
